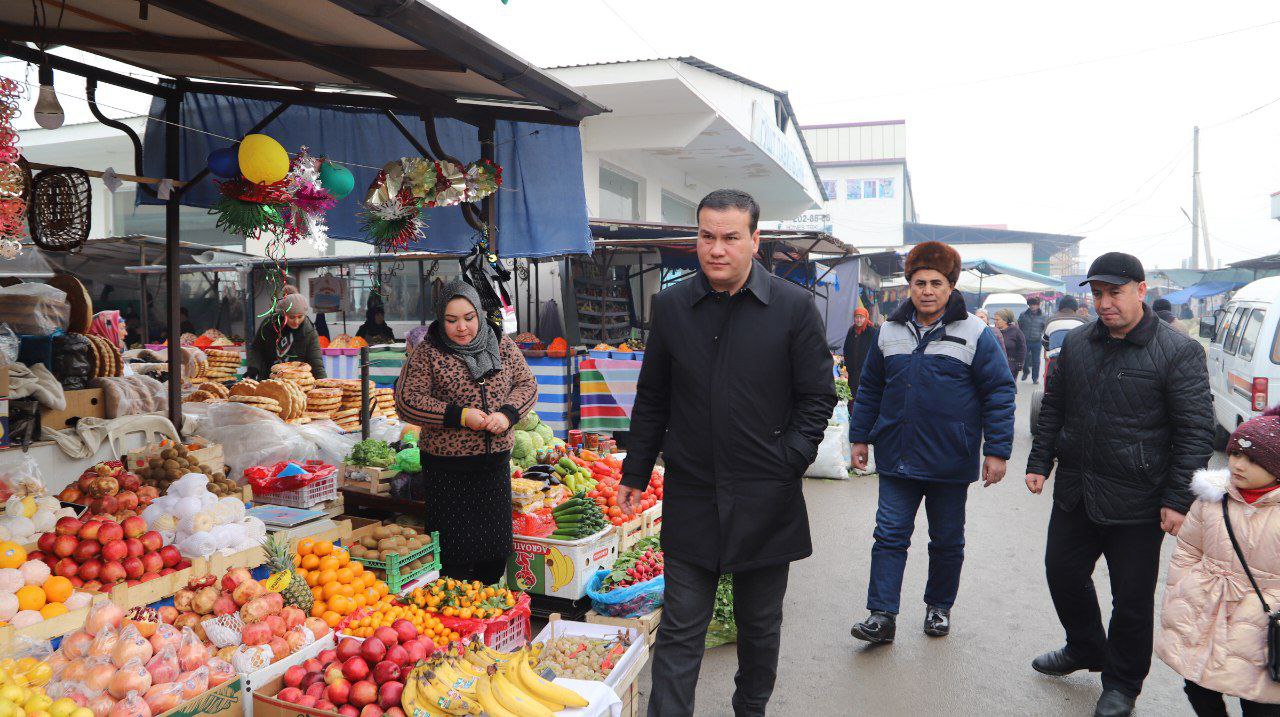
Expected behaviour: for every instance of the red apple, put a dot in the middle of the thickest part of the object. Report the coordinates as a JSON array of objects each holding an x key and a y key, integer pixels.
[
  {"x": 386, "y": 671},
  {"x": 394, "y": 712},
  {"x": 152, "y": 541},
  {"x": 39, "y": 554},
  {"x": 313, "y": 665},
  {"x": 67, "y": 568},
  {"x": 86, "y": 550},
  {"x": 347, "y": 649},
  {"x": 67, "y": 526},
  {"x": 387, "y": 635},
  {"x": 170, "y": 555},
  {"x": 92, "y": 586},
  {"x": 105, "y": 504},
  {"x": 132, "y": 567},
  {"x": 127, "y": 500},
  {"x": 134, "y": 547},
  {"x": 364, "y": 693},
  {"x": 148, "y": 576},
  {"x": 371, "y": 711},
  {"x": 168, "y": 571},
  {"x": 373, "y": 650},
  {"x": 45, "y": 542},
  {"x": 355, "y": 669},
  {"x": 65, "y": 545},
  {"x": 112, "y": 572},
  {"x": 332, "y": 675},
  {"x": 115, "y": 550},
  {"x": 152, "y": 562},
  {"x": 405, "y": 630},
  {"x": 327, "y": 656},
  {"x": 290, "y": 695},
  {"x": 307, "y": 701},
  {"x": 316, "y": 690},
  {"x": 339, "y": 692},
  {"x": 183, "y": 564},
  {"x": 109, "y": 531},
  {"x": 349, "y": 711},
  {"x": 389, "y": 694},
  {"x": 416, "y": 652},
  {"x": 134, "y": 526},
  {"x": 132, "y": 581},
  {"x": 293, "y": 676},
  {"x": 312, "y": 678},
  {"x": 89, "y": 531},
  {"x": 328, "y": 706},
  {"x": 129, "y": 482},
  {"x": 90, "y": 569}
]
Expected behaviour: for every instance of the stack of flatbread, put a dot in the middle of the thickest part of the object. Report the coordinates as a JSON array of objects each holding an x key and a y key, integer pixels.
[
  {"x": 348, "y": 419},
  {"x": 222, "y": 365},
  {"x": 351, "y": 393},
  {"x": 106, "y": 357},
  {"x": 297, "y": 372},
  {"x": 208, "y": 392},
  {"x": 383, "y": 403},
  {"x": 279, "y": 397},
  {"x": 323, "y": 402}
]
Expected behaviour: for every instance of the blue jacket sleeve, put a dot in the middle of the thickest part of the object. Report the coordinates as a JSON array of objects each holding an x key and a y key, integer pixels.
[
  {"x": 866, "y": 403},
  {"x": 998, "y": 394}
]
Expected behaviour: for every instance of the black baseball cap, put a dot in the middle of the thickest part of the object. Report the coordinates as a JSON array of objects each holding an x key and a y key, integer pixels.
[{"x": 1115, "y": 267}]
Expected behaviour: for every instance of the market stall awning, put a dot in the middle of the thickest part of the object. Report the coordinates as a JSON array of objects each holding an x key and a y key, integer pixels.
[
  {"x": 791, "y": 244},
  {"x": 1200, "y": 291},
  {"x": 986, "y": 276},
  {"x": 408, "y": 50}
]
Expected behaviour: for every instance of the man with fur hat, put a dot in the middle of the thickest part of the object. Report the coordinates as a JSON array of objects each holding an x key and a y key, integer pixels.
[
  {"x": 1127, "y": 418},
  {"x": 935, "y": 396}
]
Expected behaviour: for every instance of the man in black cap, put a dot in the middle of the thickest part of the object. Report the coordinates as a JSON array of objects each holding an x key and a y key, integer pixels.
[{"x": 1128, "y": 418}]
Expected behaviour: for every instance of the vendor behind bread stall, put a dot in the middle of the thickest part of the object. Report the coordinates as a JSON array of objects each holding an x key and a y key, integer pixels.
[
  {"x": 287, "y": 335},
  {"x": 466, "y": 385}
]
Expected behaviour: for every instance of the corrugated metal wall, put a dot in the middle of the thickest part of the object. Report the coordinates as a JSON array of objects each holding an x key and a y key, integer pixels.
[{"x": 857, "y": 143}]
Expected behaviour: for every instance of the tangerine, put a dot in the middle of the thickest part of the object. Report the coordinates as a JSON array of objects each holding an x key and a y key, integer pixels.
[
  {"x": 341, "y": 605},
  {"x": 312, "y": 577},
  {"x": 345, "y": 576},
  {"x": 53, "y": 609},
  {"x": 328, "y": 576},
  {"x": 31, "y": 597},
  {"x": 306, "y": 546},
  {"x": 368, "y": 577},
  {"x": 356, "y": 567},
  {"x": 331, "y": 618},
  {"x": 310, "y": 562},
  {"x": 328, "y": 563},
  {"x": 342, "y": 556},
  {"x": 12, "y": 555},
  {"x": 58, "y": 589},
  {"x": 322, "y": 549},
  {"x": 318, "y": 608},
  {"x": 328, "y": 590}
]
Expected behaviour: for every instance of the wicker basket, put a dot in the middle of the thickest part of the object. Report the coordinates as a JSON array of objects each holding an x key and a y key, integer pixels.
[{"x": 58, "y": 214}]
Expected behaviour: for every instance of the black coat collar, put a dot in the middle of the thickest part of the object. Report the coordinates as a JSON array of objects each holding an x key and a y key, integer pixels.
[
  {"x": 955, "y": 311},
  {"x": 758, "y": 284},
  {"x": 1141, "y": 334}
]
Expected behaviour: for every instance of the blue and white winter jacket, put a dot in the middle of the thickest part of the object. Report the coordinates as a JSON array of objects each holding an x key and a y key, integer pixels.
[{"x": 928, "y": 404}]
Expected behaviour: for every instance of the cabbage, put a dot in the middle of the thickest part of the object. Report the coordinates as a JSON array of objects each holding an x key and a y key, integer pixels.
[
  {"x": 523, "y": 447},
  {"x": 536, "y": 439},
  {"x": 529, "y": 422},
  {"x": 545, "y": 431}
]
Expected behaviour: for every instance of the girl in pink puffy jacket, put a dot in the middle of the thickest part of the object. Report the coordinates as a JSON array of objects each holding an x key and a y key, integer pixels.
[{"x": 1212, "y": 627}]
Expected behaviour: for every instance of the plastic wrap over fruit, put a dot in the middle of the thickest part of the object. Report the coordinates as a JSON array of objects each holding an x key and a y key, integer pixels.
[
  {"x": 131, "y": 645},
  {"x": 192, "y": 653},
  {"x": 220, "y": 671},
  {"x": 132, "y": 677},
  {"x": 164, "y": 697},
  {"x": 198, "y": 545},
  {"x": 251, "y": 659},
  {"x": 133, "y": 705},
  {"x": 164, "y": 667}
]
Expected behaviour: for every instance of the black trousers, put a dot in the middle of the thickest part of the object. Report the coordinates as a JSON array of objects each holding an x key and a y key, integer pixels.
[
  {"x": 1031, "y": 363},
  {"x": 689, "y": 599},
  {"x": 486, "y": 571},
  {"x": 1133, "y": 560},
  {"x": 1209, "y": 703}
]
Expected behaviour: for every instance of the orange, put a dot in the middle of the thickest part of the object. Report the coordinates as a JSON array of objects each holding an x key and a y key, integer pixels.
[
  {"x": 317, "y": 593},
  {"x": 341, "y": 605},
  {"x": 322, "y": 549},
  {"x": 328, "y": 576},
  {"x": 330, "y": 589},
  {"x": 346, "y": 590},
  {"x": 360, "y": 600},
  {"x": 369, "y": 578},
  {"x": 371, "y": 596},
  {"x": 343, "y": 556},
  {"x": 318, "y": 608},
  {"x": 12, "y": 555},
  {"x": 53, "y": 609},
  {"x": 328, "y": 563},
  {"x": 382, "y": 588},
  {"x": 344, "y": 575},
  {"x": 31, "y": 597},
  {"x": 331, "y": 618},
  {"x": 58, "y": 589},
  {"x": 356, "y": 567},
  {"x": 306, "y": 546},
  {"x": 310, "y": 562},
  {"x": 312, "y": 577}
]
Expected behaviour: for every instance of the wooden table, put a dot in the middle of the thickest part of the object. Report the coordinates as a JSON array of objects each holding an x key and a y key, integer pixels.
[{"x": 357, "y": 499}]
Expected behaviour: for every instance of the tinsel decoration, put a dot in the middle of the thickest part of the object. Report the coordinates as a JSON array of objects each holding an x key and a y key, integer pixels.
[
  {"x": 393, "y": 214},
  {"x": 250, "y": 209},
  {"x": 305, "y": 214},
  {"x": 450, "y": 186},
  {"x": 483, "y": 179},
  {"x": 13, "y": 178}
]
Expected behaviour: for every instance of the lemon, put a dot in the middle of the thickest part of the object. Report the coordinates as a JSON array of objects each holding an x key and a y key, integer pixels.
[
  {"x": 13, "y": 694},
  {"x": 6, "y": 708},
  {"x": 37, "y": 703},
  {"x": 82, "y": 712},
  {"x": 37, "y": 713}
]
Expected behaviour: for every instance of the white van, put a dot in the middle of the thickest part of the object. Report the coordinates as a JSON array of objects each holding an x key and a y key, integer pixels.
[
  {"x": 1244, "y": 355},
  {"x": 1013, "y": 302}
]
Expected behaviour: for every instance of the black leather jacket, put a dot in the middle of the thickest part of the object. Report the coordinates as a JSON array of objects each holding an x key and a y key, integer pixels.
[{"x": 1127, "y": 420}]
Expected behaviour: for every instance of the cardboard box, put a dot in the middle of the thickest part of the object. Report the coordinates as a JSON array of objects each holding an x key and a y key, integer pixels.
[
  {"x": 646, "y": 625},
  {"x": 272, "y": 673},
  {"x": 84, "y": 403},
  {"x": 221, "y": 701},
  {"x": 560, "y": 568},
  {"x": 624, "y": 674}
]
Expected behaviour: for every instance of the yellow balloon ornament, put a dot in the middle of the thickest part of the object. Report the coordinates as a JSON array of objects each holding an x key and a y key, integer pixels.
[{"x": 262, "y": 159}]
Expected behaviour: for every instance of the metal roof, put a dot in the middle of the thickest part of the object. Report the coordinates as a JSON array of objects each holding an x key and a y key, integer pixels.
[
  {"x": 100, "y": 258},
  {"x": 256, "y": 262},
  {"x": 407, "y": 49},
  {"x": 611, "y": 234},
  {"x": 916, "y": 233}
]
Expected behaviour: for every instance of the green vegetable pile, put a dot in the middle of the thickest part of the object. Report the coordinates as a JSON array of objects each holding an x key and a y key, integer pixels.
[
  {"x": 843, "y": 392},
  {"x": 724, "y": 628},
  {"x": 577, "y": 518},
  {"x": 372, "y": 453}
]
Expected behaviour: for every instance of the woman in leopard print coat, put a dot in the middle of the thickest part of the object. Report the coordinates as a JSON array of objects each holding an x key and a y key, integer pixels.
[{"x": 466, "y": 386}]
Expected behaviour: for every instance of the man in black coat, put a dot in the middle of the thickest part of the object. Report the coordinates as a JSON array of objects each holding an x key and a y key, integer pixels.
[
  {"x": 1031, "y": 322},
  {"x": 735, "y": 391},
  {"x": 1129, "y": 418},
  {"x": 861, "y": 337}
]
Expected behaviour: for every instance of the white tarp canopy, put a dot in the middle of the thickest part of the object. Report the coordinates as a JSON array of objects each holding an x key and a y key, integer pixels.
[{"x": 982, "y": 276}]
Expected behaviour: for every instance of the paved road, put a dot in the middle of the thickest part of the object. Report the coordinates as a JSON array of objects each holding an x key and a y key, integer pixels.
[{"x": 1003, "y": 618}]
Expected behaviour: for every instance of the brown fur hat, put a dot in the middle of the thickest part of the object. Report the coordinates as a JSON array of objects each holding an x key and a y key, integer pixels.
[{"x": 934, "y": 255}]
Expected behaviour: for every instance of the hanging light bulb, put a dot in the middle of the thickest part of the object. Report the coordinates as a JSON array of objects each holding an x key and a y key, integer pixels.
[{"x": 48, "y": 110}]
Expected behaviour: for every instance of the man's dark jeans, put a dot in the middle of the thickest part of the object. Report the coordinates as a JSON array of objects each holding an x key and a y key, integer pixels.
[
  {"x": 689, "y": 599},
  {"x": 1031, "y": 364},
  {"x": 1133, "y": 560},
  {"x": 896, "y": 520}
]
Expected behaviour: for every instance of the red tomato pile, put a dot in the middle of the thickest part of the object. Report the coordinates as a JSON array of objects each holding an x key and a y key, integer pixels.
[{"x": 608, "y": 474}]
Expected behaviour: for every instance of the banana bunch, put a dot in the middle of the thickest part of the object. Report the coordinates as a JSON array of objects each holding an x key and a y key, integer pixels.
[{"x": 481, "y": 679}]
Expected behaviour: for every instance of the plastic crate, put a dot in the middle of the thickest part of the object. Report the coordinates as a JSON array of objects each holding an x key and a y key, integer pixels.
[
  {"x": 507, "y": 633},
  {"x": 313, "y": 494},
  {"x": 395, "y": 578}
]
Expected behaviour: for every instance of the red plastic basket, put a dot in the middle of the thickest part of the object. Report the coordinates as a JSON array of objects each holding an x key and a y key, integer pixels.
[{"x": 506, "y": 633}]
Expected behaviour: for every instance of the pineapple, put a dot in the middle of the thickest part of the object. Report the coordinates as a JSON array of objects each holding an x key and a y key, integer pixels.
[{"x": 296, "y": 593}]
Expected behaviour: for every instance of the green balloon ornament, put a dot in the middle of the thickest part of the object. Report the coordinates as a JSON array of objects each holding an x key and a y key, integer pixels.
[
  {"x": 336, "y": 179},
  {"x": 262, "y": 159}
]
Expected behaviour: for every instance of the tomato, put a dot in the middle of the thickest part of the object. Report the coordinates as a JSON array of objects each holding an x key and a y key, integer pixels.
[
  {"x": 615, "y": 511},
  {"x": 613, "y": 501},
  {"x": 593, "y": 494}
]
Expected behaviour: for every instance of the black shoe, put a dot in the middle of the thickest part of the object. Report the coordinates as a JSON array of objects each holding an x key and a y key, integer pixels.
[
  {"x": 877, "y": 629},
  {"x": 937, "y": 621},
  {"x": 1060, "y": 662},
  {"x": 1035, "y": 382},
  {"x": 1114, "y": 703}
]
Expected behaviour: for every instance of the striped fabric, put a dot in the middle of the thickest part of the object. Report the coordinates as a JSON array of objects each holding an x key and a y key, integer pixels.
[
  {"x": 555, "y": 392},
  {"x": 384, "y": 365},
  {"x": 608, "y": 392}
]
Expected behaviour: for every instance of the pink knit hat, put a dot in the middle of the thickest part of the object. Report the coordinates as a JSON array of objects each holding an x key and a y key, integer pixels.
[{"x": 1259, "y": 439}]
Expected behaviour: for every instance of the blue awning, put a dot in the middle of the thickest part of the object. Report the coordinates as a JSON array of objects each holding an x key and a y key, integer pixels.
[
  {"x": 542, "y": 206},
  {"x": 1200, "y": 291}
]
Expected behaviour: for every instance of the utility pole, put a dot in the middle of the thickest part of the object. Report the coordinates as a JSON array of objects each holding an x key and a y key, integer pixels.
[{"x": 1195, "y": 199}]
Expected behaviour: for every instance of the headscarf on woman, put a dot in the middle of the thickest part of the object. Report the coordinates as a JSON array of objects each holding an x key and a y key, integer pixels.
[{"x": 482, "y": 355}]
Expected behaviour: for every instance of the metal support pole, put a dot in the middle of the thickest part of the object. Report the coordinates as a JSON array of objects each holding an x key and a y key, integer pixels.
[
  {"x": 422, "y": 295},
  {"x": 173, "y": 235},
  {"x": 364, "y": 393},
  {"x": 489, "y": 205},
  {"x": 250, "y": 307},
  {"x": 1195, "y": 198}
]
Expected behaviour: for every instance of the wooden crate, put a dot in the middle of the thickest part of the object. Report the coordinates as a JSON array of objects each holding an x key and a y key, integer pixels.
[
  {"x": 652, "y": 520},
  {"x": 375, "y": 480},
  {"x": 646, "y": 624},
  {"x": 630, "y": 533},
  {"x": 131, "y": 596},
  {"x": 52, "y": 627},
  {"x": 631, "y": 701}
]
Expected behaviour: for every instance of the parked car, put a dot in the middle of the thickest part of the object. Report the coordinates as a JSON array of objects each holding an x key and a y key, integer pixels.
[
  {"x": 1013, "y": 302},
  {"x": 1244, "y": 355}
]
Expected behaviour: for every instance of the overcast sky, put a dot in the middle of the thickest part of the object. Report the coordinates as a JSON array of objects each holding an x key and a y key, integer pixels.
[
  {"x": 1068, "y": 150},
  {"x": 1099, "y": 148}
]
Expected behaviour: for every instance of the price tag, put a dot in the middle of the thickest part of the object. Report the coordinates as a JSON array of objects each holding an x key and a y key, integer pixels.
[{"x": 279, "y": 581}]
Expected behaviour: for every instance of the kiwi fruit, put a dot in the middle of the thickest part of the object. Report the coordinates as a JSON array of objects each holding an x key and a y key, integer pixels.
[
  {"x": 172, "y": 474},
  {"x": 358, "y": 551},
  {"x": 181, "y": 450},
  {"x": 369, "y": 542},
  {"x": 219, "y": 476},
  {"x": 394, "y": 529},
  {"x": 155, "y": 462},
  {"x": 380, "y": 532}
]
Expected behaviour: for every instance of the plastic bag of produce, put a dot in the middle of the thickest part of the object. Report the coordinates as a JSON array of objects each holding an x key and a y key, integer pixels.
[
  {"x": 634, "y": 601},
  {"x": 723, "y": 629},
  {"x": 833, "y": 460}
]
